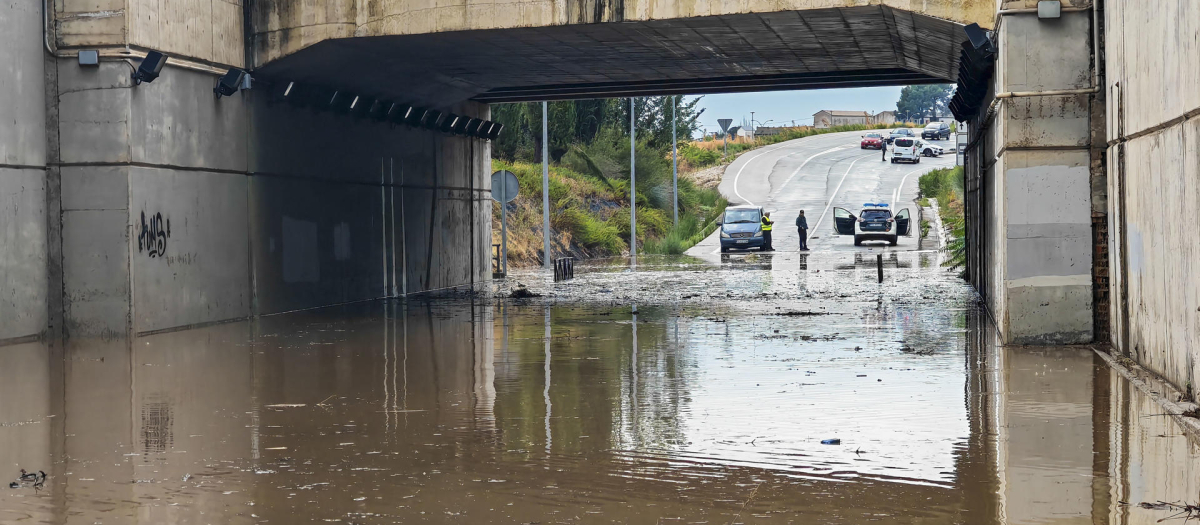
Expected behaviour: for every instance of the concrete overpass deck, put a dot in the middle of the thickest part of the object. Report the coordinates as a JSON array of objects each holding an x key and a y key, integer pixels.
[{"x": 805, "y": 45}]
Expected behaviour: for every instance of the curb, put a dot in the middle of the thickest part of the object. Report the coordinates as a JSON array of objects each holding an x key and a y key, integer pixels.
[{"x": 1157, "y": 389}]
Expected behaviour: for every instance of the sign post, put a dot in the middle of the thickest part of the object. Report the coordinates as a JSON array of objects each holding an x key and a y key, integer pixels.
[
  {"x": 504, "y": 189},
  {"x": 725, "y": 122}
]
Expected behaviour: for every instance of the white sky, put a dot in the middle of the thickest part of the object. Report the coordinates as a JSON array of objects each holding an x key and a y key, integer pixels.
[{"x": 785, "y": 106}]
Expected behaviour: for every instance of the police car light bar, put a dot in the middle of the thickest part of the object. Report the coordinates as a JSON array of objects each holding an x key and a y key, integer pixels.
[{"x": 875, "y": 205}]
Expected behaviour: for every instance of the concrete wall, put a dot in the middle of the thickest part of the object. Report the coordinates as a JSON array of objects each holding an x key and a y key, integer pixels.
[
  {"x": 1152, "y": 62},
  {"x": 22, "y": 172},
  {"x": 1037, "y": 174},
  {"x": 181, "y": 209}
]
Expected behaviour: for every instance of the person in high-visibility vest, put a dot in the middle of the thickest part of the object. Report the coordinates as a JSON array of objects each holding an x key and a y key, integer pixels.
[{"x": 767, "y": 223}]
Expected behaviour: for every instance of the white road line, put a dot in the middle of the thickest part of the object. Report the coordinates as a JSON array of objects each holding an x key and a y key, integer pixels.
[
  {"x": 805, "y": 163},
  {"x": 896, "y": 193},
  {"x": 835, "y": 192},
  {"x": 747, "y": 163},
  {"x": 738, "y": 176}
]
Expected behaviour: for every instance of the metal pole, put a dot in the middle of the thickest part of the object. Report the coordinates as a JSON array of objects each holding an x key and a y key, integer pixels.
[
  {"x": 545, "y": 187},
  {"x": 675, "y": 158},
  {"x": 632, "y": 185},
  {"x": 879, "y": 265},
  {"x": 504, "y": 226}
]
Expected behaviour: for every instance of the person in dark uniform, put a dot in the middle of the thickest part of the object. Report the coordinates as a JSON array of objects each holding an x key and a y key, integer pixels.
[
  {"x": 767, "y": 224},
  {"x": 802, "y": 228}
]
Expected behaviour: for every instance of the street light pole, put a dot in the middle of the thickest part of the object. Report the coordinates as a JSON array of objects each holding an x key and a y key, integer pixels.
[
  {"x": 632, "y": 185},
  {"x": 675, "y": 158},
  {"x": 545, "y": 187}
]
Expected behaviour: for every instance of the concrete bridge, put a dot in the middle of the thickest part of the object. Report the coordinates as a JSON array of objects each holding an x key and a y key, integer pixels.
[{"x": 343, "y": 176}]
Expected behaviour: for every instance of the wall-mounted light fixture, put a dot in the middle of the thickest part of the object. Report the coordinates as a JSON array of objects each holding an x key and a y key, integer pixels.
[
  {"x": 89, "y": 57},
  {"x": 1049, "y": 9},
  {"x": 229, "y": 83},
  {"x": 150, "y": 67},
  {"x": 495, "y": 131}
]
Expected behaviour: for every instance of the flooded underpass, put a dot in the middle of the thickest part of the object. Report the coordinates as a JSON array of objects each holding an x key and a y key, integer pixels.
[{"x": 746, "y": 389}]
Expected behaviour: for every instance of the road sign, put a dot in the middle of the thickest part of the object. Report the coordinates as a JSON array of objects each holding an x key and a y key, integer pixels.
[
  {"x": 504, "y": 190},
  {"x": 724, "y": 122},
  {"x": 504, "y": 186}
]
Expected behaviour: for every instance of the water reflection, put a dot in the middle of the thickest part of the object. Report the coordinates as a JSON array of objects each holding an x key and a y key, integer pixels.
[{"x": 468, "y": 412}]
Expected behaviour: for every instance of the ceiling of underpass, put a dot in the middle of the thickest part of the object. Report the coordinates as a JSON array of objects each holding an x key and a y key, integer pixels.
[{"x": 818, "y": 48}]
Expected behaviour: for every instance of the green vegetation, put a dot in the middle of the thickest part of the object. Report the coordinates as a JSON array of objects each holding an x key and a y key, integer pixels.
[
  {"x": 946, "y": 185},
  {"x": 924, "y": 100}
]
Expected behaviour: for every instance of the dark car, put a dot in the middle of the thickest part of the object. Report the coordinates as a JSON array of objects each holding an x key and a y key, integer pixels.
[
  {"x": 741, "y": 228},
  {"x": 872, "y": 141},
  {"x": 900, "y": 133},
  {"x": 936, "y": 131}
]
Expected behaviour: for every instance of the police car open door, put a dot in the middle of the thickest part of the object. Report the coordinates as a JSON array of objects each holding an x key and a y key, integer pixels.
[
  {"x": 843, "y": 221},
  {"x": 902, "y": 222}
]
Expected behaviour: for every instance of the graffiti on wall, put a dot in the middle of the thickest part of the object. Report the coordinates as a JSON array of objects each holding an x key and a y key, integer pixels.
[{"x": 153, "y": 234}]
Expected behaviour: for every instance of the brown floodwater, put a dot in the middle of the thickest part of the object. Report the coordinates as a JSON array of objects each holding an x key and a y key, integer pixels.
[{"x": 707, "y": 405}]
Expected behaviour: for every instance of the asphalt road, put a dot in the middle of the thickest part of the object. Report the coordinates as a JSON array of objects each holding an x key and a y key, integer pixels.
[{"x": 815, "y": 174}]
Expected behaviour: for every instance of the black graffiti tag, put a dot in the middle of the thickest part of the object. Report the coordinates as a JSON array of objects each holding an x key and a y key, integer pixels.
[{"x": 153, "y": 236}]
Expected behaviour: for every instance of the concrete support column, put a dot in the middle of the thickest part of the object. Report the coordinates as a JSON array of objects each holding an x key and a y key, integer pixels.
[{"x": 1038, "y": 173}]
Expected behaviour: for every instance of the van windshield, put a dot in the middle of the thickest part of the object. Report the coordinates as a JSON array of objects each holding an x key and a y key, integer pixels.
[
  {"x": 904, "y": 143},
  {"x": 742, "y": 216},
  {"x": 933, "y": 125}
]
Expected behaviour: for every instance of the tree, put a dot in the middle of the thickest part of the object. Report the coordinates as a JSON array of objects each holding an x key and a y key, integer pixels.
[
  {"x": 926, "y": 100},
  {"x": 582, "y": 121}
]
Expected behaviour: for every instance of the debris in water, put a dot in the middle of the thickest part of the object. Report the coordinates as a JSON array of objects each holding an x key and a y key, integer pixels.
[
  {"x": 834, "y": 441},
  {"x": 522, "y": 292},
  {"x": 914, "y": 351}
]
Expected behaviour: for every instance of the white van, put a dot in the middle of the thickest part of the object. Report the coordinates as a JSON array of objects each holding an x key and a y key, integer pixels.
[{"x": 906, "y": 149}]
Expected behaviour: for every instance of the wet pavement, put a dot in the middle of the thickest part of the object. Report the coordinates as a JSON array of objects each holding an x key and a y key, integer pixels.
[
  {"x": 707, "y": 405},
  {"x": 816, "y": 174}
]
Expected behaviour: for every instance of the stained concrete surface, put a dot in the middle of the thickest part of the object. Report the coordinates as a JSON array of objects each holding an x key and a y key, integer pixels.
[
  {"x": 483, "y": 52},
  {"x": 23, "y": 224},
  {"x": 570, "y": 408},
  {"x": 1152, "y": 63}
]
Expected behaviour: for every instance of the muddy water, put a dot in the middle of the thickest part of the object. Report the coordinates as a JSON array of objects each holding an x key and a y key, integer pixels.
[{"x": 709, "y": 406}]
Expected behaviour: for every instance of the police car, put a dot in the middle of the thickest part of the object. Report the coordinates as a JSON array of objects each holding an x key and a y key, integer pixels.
[{"x": 874, "y": 223}]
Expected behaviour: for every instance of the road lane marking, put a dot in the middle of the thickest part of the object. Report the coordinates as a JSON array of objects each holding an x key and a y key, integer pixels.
[
  {"x": 802, "y": 165},
  {"x": 738, "y": 175},
  {"x": 835, "y": 192}
]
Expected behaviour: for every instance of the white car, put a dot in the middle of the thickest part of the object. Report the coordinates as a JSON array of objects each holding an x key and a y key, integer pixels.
[
  {"x": 930, "y": 150},
  {"x": 874, "y": 223},
  {"x": 906, "y": 149}
]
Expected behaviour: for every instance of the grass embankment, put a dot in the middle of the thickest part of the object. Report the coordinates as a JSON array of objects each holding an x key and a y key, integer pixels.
[
  {"x": 589, "y": 203},
  {"x": 946, "y": 185}
]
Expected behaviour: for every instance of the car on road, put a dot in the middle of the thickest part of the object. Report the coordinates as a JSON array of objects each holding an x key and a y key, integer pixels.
[
  {"x": 929, "y": 149},
  {"x": 906, "y": 149},
  {"x": 741, "y": 228},
  {"x": 936, "y": 131},
  {"x": 874, "y": 223},
  {"x": 872, "y": 141},
  {"x": 900, "y": 133}
]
